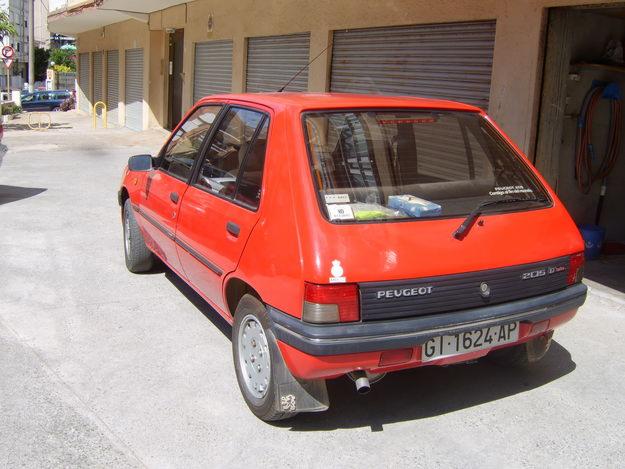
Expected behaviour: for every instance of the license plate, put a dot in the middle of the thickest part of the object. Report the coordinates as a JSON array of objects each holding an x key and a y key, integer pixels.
[{"x": 465, "y": 342}]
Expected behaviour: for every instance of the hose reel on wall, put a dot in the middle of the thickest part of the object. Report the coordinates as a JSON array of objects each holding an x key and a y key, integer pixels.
[{"x": 587, "y": 171}]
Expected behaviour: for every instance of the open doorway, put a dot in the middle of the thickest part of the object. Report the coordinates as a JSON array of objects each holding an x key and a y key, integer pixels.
[
  {"x": 584, "y": 58},
  {"x": 176, "y": 77}
]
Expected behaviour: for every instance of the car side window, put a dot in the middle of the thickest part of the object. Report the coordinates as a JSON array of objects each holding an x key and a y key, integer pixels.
[
  {"x": 230, "y": 145},
  {"x": 251, "y": 178},
  {"x": 184, "y": 147}
]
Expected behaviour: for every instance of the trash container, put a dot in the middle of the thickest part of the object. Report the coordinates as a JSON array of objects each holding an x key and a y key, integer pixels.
[{"x": 593, "y": 240}]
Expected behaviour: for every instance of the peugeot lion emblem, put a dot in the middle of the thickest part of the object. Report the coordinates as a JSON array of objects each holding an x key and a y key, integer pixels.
[{"x": 484, "y": 290}]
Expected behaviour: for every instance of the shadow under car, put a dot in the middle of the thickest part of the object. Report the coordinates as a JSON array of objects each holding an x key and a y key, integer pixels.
[{"x": 413, "y": 394}]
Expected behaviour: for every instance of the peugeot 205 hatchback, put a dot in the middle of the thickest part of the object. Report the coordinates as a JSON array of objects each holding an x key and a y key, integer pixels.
[{"x": 358, "y": 235}]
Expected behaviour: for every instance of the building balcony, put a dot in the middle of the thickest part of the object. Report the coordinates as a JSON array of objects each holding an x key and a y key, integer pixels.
[{"x": 73, "y": 17}]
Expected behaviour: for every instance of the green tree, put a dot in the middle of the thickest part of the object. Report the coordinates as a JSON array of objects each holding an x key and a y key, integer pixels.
[
  {"x": 64, "y": 57},
  {"x": 41, "y": 63},
  {"x": 6, "y": 27}
]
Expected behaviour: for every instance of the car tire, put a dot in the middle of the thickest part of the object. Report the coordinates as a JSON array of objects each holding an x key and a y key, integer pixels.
[
  {"x": 138, "y": 256},
  {"x": 57, "y": 109},
  {"x": 254, "y": 345},
  {"x": 522, "y": 355}
]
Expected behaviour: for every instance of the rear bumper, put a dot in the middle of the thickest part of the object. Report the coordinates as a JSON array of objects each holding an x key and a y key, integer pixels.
[{"x": 356, "y": 338}]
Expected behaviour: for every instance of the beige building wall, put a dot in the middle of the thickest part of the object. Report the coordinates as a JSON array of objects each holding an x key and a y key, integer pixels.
[
  {"x": 42, "y": 35},
  {"x": 121, "y": 36},
  {"x": 514, "y": 96}
]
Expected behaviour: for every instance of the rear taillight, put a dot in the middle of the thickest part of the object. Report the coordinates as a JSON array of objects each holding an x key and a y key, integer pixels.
[
  {"x": 576, "y": 268},
  {"x": 331, "y": 303}
]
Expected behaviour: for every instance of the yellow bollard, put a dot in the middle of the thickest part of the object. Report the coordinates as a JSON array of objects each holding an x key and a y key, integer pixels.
[{"x": 95, "y": 114}]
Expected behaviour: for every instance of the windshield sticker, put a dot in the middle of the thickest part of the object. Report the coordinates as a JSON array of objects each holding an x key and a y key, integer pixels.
[
  {"x": 337, "y": 272},
  {"x": 340, "y": 212},
  {"x": 337, "y": 198},
  {"x": 505, "y": 190},
  {"x": 422, "y": 120}
]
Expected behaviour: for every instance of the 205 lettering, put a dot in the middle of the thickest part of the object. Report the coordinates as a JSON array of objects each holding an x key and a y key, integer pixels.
[{"x": 534, "y": 274}]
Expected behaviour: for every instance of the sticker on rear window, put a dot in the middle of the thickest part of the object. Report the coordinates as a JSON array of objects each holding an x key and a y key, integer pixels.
[
  {"x": 504, "y": 190},
  {"x": 336, "y": 198},
  {"x": 340, "y": 212}
]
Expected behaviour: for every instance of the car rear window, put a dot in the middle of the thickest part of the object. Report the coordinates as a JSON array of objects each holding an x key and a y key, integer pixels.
[{"x": 383, "y": 165}]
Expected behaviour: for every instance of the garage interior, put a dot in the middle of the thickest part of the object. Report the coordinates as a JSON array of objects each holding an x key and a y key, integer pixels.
[{"x": 584, "y": 50}]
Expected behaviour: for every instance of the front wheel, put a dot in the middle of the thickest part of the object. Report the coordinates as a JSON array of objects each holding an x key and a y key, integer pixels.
[
  {"x": 257, "y": 360},
  {"x": 138, "y": 257}
]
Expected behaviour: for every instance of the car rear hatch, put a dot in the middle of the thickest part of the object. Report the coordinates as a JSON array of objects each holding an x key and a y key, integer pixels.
[{"x": 395, "y": 185}]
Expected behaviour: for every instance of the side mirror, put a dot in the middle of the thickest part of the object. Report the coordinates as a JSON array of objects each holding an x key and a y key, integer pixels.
[{"x": 140, "y": 163}]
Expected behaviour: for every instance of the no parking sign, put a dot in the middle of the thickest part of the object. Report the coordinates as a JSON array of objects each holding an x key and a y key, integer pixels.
[{"x": 7, "y": 55}]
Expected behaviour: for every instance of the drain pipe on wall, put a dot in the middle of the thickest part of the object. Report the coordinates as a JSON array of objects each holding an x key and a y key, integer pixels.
[{"x": 31, "y": 46}]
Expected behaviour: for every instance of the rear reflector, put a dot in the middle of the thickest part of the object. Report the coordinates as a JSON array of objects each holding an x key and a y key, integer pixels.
[
  {"x": 576, "y": 268},
  {"x": 395, "y": 357},
  {"x": 331, "y": 303}
]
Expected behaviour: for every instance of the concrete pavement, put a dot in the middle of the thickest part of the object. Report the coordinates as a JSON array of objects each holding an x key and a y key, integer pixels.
[{"x": 99, "y": 367}]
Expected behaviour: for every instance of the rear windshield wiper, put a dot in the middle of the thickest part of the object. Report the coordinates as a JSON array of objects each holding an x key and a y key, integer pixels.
[{"x": 468, "y": 222}]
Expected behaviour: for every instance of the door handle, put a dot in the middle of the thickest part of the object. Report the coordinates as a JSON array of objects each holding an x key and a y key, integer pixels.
[
  {"x": 233, "y": 229},
  {"x": 174, "y": 197}
]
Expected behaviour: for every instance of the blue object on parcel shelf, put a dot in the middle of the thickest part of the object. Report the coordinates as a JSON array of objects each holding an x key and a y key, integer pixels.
[{"x": 413, "y": 206}]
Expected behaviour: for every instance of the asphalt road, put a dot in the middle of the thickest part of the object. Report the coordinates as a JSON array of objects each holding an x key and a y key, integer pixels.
[{"x": 99, "y": 367}]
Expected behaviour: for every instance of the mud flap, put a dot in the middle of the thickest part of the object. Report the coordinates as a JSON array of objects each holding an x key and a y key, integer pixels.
[
  {"x": 297, "y": 395},
  {"x": 538, "y": 347},
  {"x": 302, "y": 395}
]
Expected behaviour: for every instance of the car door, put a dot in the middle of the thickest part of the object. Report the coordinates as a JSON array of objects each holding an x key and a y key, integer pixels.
[
  {"x": 28, "y": 102},
  {"x": 42, "y": 101},
  {"x": 166, "y": 185},
  {"x": 221, "y": 206},
  {"x": 55, "y": 100}
]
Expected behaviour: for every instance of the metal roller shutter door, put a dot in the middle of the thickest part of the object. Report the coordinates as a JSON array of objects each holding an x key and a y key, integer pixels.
[
  {"x": 213, "y": 68},
  {"x": 112, "y": 85},
  {"x": 134, "y": 89},
  {"x": 449, "y": 61},
  {"x": 272, "y": 62},
  {"x": 98, "y": 71},
  {"x": 83, "y": 82}
]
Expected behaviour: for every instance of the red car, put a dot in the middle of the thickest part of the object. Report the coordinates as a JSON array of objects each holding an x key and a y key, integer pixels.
[{"x": 347, "y": 234}]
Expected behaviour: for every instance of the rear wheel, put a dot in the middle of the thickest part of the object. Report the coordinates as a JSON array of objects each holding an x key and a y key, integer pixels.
[
  {"x": 257, "y": 359},
  {"x": 138, "y": 257},
  {"x": 522, "y": 355}
]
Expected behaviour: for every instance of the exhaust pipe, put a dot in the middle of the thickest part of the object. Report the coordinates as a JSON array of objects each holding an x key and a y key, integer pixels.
[{"x": 361, "y": 380}]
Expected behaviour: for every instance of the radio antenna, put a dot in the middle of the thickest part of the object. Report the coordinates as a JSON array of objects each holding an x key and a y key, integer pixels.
[{"x": 304, "y": 68}]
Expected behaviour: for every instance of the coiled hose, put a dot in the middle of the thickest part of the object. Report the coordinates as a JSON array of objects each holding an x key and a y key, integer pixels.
[{"x": 584, "y": 149}]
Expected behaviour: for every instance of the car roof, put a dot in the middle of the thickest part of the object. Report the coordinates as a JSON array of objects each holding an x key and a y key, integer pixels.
[{"x": 311, "y": 101}]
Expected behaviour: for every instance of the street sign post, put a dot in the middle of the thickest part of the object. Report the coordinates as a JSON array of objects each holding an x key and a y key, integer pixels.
[{"x": 8, "y": 54}]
